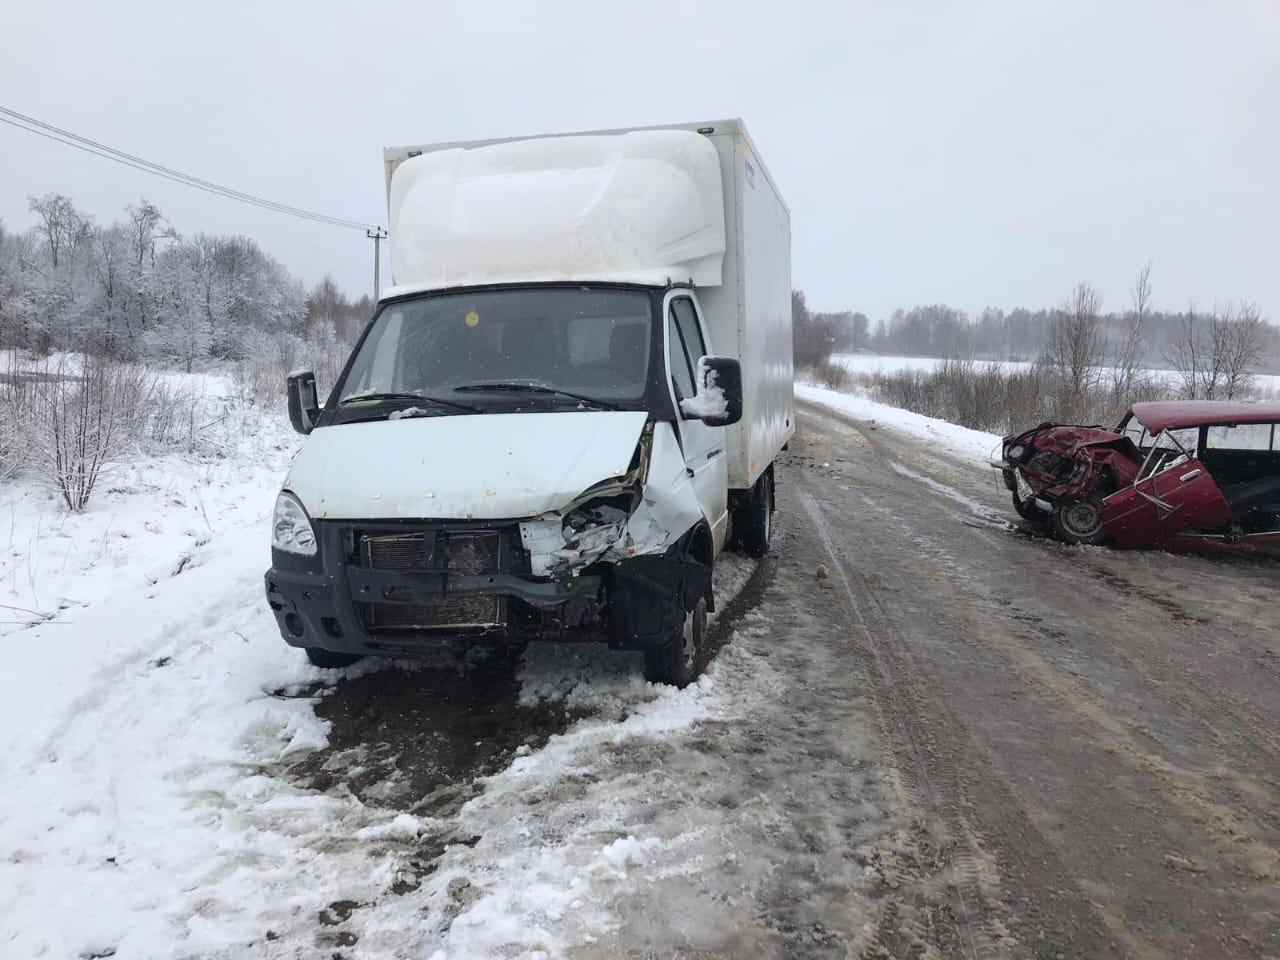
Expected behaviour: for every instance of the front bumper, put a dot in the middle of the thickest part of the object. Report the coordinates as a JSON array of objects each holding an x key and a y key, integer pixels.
[
  {"x": 328, "y": 601},
  {"x": 323, "y": 610}
]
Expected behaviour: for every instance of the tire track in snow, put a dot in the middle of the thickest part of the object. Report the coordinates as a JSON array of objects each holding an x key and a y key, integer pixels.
[{"x": 924, "y": 780}]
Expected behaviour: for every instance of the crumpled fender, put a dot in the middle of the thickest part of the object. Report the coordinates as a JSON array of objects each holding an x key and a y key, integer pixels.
[{"x": 667, "y": 510}]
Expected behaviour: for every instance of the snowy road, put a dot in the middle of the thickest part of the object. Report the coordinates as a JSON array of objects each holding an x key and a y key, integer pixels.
[
  {"x": 923, "y": 736},
  {"x": 1092, "y": 735}
]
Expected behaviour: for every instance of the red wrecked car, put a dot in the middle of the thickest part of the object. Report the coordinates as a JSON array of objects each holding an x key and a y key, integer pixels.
[{"x": 1179, "y": 475}]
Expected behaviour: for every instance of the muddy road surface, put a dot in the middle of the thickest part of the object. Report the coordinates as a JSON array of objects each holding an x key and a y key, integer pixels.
[
  {"x": 1103, "y": 726},
  {"x": 922, "y": 735}
]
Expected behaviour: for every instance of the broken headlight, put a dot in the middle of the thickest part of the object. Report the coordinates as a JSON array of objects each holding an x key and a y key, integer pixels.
[
  {"x": 594, "y": 514},
  {"x": 291, "y": 529},
  {"x": 1015, "y": 453},
  {"x": 610, "y": 502}
]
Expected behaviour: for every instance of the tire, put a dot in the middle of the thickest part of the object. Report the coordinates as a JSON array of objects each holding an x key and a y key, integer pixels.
[
  {"x": 756, "y": 517},
  {"x": 679, "y": 661},
  {"x": 329, "y": 660},
  {"x": 1079, "y": 521}
]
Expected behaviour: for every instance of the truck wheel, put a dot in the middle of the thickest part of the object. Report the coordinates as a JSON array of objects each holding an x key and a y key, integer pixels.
[
  {"x": 1079, "y": 522},
  {"x": 679, "y": 661},
  {"x": 329, "y": 660},
  {"x": 756, "y": 517}
]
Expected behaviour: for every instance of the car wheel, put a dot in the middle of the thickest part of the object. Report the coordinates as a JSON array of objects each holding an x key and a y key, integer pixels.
[
  {"x": 757, "y": 517},
  {"x": 679, "y": 661},
  {"x": 329, "y": 660},
  {"x": 1079, "y": 522}
]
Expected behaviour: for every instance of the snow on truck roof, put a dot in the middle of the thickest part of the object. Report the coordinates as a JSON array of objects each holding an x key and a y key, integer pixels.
[
  {"x": 1157, "y": 415},
  {"x": 634, "y": 207}
]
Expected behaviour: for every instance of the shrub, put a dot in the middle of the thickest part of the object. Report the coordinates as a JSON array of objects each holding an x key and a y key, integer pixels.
[
  {"x": 989, "y": 397},
  {"x": 260, "y": 377},
  {"x": 15, "y": 444},
  {"x": 83, "y": 419},
  {"x": 834, "y": 376}
]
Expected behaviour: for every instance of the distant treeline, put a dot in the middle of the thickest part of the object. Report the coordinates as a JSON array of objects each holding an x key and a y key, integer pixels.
[
  {"x": 1020, "y": 334},
  {"x": 136, "y": 289}
]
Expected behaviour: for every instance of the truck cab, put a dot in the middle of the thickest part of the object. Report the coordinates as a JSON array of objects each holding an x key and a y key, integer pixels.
[{"x": 532, "y": 436}]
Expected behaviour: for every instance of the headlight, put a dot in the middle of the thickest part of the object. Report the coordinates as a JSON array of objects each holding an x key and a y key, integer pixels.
[
  {"x": 599, "y": 512},
  {"x": 291, "y": 527},
  {"x": 1015, "y": 453}
]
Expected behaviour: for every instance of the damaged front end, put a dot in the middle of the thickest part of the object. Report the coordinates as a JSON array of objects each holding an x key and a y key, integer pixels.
[
  {"x": 622, "y": 562},
  {"x": 1052, "y": 462},
  {"x": 596, "y": 525},
  {"x": 1061, "y": 473},
  {"x": 638, "y": 533}
]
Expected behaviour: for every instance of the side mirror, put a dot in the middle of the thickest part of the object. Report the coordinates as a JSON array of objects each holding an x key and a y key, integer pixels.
[
  {"x": 718, "y": 402},
  {"x": 304, "y": 406}
]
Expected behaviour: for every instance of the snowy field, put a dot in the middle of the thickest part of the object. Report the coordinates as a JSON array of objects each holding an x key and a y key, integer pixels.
[
  {"x": 151, "y": 747},
  {"x": 868, "y": 364}
]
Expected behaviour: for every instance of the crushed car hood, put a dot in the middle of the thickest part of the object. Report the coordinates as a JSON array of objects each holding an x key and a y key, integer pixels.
[
  {"x": 1067, "y": 439},
  {"x": 483, "y": 467}
]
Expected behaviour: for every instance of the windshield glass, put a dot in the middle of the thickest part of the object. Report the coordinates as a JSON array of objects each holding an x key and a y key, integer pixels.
[
  {"x": 593, "y": 343},
  {"x": 1185, "y": 437}
]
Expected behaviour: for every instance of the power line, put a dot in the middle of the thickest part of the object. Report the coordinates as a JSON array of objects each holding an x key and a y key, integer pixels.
[{"x": 59, "y": 135}]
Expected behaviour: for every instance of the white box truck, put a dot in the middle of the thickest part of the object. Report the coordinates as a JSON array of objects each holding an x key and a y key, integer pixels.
[{"x": 567, "y": 404}]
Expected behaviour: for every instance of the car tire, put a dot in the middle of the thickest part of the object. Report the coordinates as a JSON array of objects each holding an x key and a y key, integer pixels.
[
  {"x": 1078, "y": 521},
  {"x": 756, "y": 517},
  {"x": 679, "y": 661},
  {"x": 330, "y": 660}
]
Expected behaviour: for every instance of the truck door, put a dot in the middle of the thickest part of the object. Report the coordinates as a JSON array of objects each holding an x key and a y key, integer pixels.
[
  {"x": 1173, "y": 493},
  {"x": 703, "y": 446}
]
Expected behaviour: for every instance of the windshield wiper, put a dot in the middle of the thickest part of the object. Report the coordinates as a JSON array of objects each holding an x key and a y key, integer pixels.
[
  {"x": 518, "y": 386},
  {"x": 376, "y": 397}
]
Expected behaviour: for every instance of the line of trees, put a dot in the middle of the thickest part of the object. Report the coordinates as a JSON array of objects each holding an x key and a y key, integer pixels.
[
  {"x": 1213, "y": 354},
  {"x": 136, "y": 289}
]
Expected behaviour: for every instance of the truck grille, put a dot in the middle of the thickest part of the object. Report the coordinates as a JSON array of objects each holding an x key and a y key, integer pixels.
[
  {"x": 470, "y": 553},
  {"x": 463, "y": 553},
  {"x": 408, "y": 552},
  {"x": 455, "y": 612}
]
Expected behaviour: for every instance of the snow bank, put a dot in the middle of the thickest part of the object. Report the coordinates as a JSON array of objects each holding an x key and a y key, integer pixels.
[
  {"x": 146, "y": 709},
  {"x": 972, "y": 445}
]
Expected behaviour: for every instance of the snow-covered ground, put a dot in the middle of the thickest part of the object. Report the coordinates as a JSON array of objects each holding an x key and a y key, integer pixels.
[
  {"x": 152, "y": 514},
  {"x": 870, "y": 363},
  {"x": 972, "y": 445},
  {"x": 152, "y": 731}
]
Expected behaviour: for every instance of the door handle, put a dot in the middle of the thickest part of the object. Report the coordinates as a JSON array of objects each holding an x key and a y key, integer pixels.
[{"x": 1188, "y": 477}]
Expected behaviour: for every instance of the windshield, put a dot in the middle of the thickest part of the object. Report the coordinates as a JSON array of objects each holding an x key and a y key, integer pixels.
[
  {"x": 1185, "y": 437},
  {"x": 528, "y": 345}
]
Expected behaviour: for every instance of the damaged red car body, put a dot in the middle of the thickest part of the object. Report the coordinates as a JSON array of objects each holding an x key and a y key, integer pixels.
[{"x": 1179, "y": 475}]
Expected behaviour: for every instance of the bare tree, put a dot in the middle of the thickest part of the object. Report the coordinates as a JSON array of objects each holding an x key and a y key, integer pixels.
[
  {"x": 1128, "y": 357},
  {"x": 61, "y": 224},
  {"x": 1076, "y": 346},
  {"x": 1239, "y": 337},
  {"x": 1214, "y": 357}
]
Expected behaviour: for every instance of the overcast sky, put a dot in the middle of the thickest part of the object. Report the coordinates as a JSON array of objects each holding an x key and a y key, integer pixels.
[{"x": 968, "y": 153}]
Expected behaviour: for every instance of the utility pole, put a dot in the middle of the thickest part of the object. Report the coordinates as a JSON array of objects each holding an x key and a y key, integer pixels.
[{"x": 377, "y": 235}]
